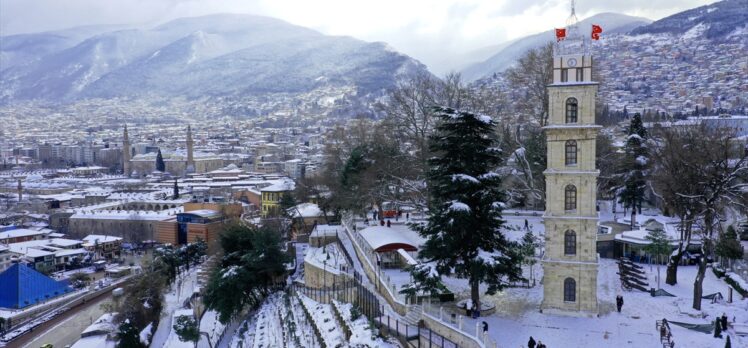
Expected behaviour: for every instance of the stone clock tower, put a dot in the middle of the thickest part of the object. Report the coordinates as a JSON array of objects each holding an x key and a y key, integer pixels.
[{"x": 570, "y": 260}]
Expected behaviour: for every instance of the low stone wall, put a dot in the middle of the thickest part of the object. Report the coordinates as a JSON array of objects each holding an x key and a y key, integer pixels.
[
  {"x": 316, "y": 277},
  {"x": 450, "y": 333}
]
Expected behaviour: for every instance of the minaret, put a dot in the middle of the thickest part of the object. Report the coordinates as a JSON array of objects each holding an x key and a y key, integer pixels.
[
  {"x": 570, "y": 261},
  {"x": 190, "y": 160},
  {"x": 126, "y": 153}
]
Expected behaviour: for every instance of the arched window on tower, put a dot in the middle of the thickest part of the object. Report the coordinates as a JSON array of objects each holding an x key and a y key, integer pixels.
[
  {"x": 570, "y": 197},
  {"x": 571, "y": 152},
  {"x": 570, "y": 290},
  {"x": 571, "y": 110},
  {"x": 570, "y": 242}
]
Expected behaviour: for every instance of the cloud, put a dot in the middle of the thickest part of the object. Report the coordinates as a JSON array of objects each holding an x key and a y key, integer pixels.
[{"x": 438, "y": 32}]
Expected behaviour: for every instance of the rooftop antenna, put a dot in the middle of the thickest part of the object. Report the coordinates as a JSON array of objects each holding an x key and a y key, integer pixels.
[{"x": 572, "y": 21}]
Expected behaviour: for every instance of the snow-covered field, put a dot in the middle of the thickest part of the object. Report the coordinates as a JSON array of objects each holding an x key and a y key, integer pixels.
[{"x": 518, "y": 316}]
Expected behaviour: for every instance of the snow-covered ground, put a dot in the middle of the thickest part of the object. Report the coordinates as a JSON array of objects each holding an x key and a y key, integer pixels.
[
  {"x": 279, "y": 322},
  {"x": 181, "y": 290},
  {"x": 518, "y": 316},
  {"x": 325, "y": 322},
  {"x": 362, "y": 334},
  {"x": 328, "y": 257}
]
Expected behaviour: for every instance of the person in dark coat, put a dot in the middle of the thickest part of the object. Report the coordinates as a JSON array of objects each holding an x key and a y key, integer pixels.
[
  {"x": 541, "y": 344},
  {"x": 531, "y": 343},
  {"x": 723, "y": 319},
  {"x": 527, "y": 225},
  {"x": 485, "y": 327},
  {"x": 619, "y": 302}
]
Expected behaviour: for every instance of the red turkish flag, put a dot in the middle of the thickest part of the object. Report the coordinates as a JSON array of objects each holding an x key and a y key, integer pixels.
[
  {"x": 596, "y": 30},
  {"x": 560, "y": 34}
]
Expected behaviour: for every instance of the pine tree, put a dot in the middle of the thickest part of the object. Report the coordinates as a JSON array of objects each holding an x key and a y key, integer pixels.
[
  {"x": 128, "y": 336},
  {"x": 658, "y": 246},
  {"x": 160, "y": 165},
  {"x": 463, "y": 233},
  {"x": 186, "y": 329},
  {"x": 728, "y": 247},
  {"x": 176, "y": 190},
  {"x": 633, "y": 169}
]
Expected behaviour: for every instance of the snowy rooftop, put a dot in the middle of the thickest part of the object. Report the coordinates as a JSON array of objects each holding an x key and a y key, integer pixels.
[
  {"x": 306, "y": 210},
  {"x": 324, "y": 230},
  {"x": 22, "y": 232},
  {"x": 328, "y": 258},
  {"x": 382, "y": 238},
  {"x": 284, "y": 184},
  {"x": 92, "y": 238}
]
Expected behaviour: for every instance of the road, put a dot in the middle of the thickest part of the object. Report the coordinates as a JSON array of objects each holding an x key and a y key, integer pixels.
[{"x": 64, "y": 329}]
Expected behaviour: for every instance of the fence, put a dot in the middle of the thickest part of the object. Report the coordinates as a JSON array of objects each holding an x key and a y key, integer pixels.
[
  {"x": 458, "y": 323},
  {"x": 354, "y": 292}
]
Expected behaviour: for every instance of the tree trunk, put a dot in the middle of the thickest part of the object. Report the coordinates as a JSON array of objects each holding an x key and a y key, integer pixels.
[
  {"x": 697, "y": 284},
  {"x": 475, "y": 294},
  {"x": 671, "y": 278}
]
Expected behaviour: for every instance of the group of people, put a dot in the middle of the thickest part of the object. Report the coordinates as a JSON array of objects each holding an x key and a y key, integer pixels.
[{"x": 532, "y": 344}]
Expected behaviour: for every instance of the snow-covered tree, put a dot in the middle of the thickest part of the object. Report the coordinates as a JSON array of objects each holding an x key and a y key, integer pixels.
[
  {"x": 252, "y": 263},
  {"x": 728, "y": 247},
  {"x": 464, "y": 230},
  {"x": 658, "y": 247},
  {"x": 160, "y": 165},
  {"x": 529, "y": 245},
  {"x": 633, "y": 170},
  {"x": 128, "y": 336},
  {"x": 186, "y": 329}
]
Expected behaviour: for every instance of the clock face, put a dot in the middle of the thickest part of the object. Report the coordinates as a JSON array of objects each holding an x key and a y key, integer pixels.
[{"x": 572, "y": 62}]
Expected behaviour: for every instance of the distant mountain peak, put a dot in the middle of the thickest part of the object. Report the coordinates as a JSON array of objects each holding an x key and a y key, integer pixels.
[
  {"x": 506, "y": 55},
  {"x": 718, "y": 20},
  {"x": 214, "y": 55}
]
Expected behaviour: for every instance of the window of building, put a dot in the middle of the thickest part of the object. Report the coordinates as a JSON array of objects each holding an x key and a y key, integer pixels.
[
  {"x": 570, "y": 197},
  {"x": 571, "y": 110},
  {"x": 571, "y": 152},
  {"x": 570, "y": 242},
  {"x": 570, "y": 290},
  {"x": 580, "y": 74},
  {"x": 564, "y": 75}
]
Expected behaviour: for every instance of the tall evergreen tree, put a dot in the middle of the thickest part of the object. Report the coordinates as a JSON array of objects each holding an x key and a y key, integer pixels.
[
  {"x": 160, "y": 165},
  {"x": 633, "y": 169},
  {"x": 464, "y": 231},
  {"x": 253, "y": 261},
  {"x": 176, "y": 190}
]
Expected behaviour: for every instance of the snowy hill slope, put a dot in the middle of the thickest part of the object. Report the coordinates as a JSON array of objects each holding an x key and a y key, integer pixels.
[
  {"x": 506, "y": 56},
  {"x": 213, "y": 55}
]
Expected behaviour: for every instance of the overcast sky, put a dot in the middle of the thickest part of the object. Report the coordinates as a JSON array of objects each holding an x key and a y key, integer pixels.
[{"x": 433, "y": 31}]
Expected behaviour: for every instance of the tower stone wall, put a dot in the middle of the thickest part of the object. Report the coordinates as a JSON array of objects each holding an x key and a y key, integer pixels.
[{"x": 570, "y": 261}]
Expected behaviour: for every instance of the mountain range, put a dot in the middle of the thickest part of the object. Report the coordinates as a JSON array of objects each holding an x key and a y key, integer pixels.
[
  {"x": 215, "y": 55},
  {"x": 505, "y": 55},
  {"x": 244, "y": 55}
]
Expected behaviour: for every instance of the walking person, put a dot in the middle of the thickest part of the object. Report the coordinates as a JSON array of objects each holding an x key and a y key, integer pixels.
[
  {"x": 485, "y": 328},
  {"x": 527, "y": 225},
  {"x": 723, "y": 319},
  {"x": 531, "y": 343},
  {"x": 619, "y": 302}
]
